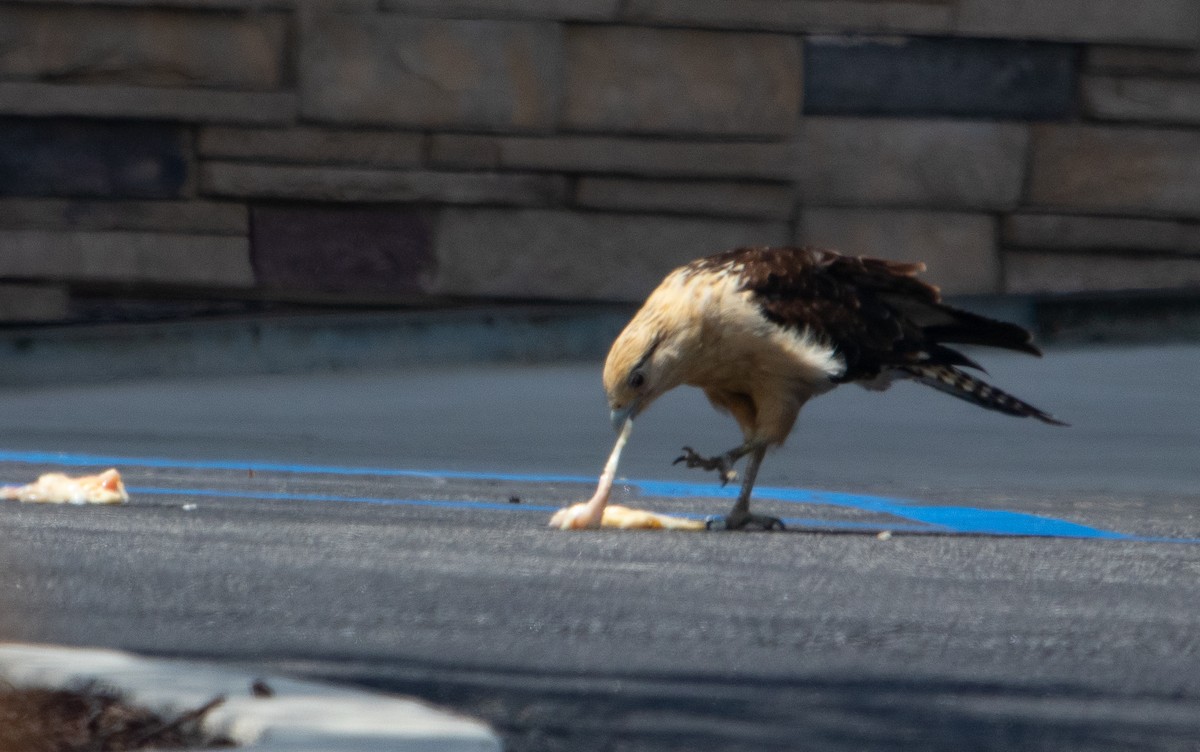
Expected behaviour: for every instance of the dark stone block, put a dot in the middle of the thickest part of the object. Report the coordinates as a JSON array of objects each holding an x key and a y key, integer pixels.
[
  {"x": 340, "y": 249},
  {"x": 936, "y": 76},
  {"x": 42, "y": 157}
]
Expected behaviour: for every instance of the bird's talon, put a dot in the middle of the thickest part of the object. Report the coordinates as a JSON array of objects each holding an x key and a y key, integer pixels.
[
  {"x": 772, "y": 523},
  {"x": 690, "y": 457},
  {"x": 748, "y": 522},
  {"x": 719, "y": 464}
]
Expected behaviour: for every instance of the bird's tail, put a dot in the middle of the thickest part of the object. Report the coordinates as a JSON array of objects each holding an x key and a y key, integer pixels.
[{"x": 952, "y": 381}]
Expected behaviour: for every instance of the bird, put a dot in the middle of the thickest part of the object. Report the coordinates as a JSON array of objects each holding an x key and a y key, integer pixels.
[{"x": 762, "y": 330}]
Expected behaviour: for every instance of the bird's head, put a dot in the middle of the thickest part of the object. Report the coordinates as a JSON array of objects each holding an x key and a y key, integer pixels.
[{"x": 641, "y": 366}]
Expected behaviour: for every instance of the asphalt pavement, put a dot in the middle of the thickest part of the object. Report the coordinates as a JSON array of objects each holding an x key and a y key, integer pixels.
[{"x": 388, "y": 530}]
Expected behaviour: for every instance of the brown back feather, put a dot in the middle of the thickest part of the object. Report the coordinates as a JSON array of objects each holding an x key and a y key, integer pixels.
[{"x": 876, "y": 312}]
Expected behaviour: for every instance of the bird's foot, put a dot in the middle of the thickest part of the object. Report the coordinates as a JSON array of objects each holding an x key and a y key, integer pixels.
[
  {"x": 745, "y": 521},
  {"x": 721, "y": 464}
]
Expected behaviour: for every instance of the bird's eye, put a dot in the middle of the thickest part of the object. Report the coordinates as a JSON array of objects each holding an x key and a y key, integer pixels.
[{"x": 636, "y": 380}]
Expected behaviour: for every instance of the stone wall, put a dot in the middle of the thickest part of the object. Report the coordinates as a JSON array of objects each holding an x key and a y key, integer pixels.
[{"x": 430, "y": 150}]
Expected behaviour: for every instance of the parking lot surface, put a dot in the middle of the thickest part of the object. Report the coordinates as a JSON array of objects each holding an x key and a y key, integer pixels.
[{"x": 1038, "y": 590}]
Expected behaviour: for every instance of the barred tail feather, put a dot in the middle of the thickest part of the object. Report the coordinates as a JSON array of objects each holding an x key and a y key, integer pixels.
[{"x": 966, "y": 387}]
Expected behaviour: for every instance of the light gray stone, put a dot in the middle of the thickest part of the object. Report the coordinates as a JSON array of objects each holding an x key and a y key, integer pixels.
[
  {"x": 199, "y": 217},
  {"x": 1082, "y": 272},
  {"x": 145, "y": 47},
  {"x": 919, "y": 163},
  {"x": 245, "y": 180},
  {"x": 1145, "y": 61},
  {"x": 393, "y": 70},
  {"x": 33, "y": 303},
  {"x": 566, "y": 255},
  {"x": 564, "y": 10},
  {"x": 721, "y": 198},
  {"x": 628, "y": 156},
  {"x": 1139, "y": 171},
  {"x": 130, "y": 257},
  {"x": 644, "y": 80},
  {"x": 189, "y": 105},
  {"x": 301, "y": 145},
  {"x": 958, "y": 249},
  {"x": 798, "y": 15},
  {"x": 1153, "y": 100},
  {"x": 1075, "y": 232},
  {"x": 1170, "y": 23}
]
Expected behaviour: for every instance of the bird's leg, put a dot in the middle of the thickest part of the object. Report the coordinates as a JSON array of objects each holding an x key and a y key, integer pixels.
[
  {"x": 723, "y": 463},
  {"x": 740, "y": 517}
]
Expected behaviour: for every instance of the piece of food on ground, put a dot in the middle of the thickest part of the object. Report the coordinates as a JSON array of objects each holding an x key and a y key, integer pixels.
[
  {"x": 628, "y": 518},
  {"x": 623, "y": 518},
  {"x": 57, "y": 488},
  {"x": 597, "y": 512},
  {"x": 590, "y": 514}
]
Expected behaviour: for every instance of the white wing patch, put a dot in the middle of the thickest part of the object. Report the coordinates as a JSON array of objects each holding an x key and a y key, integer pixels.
[
  {"x": 744, "y": 337},
  {"x": 808, "y": 352}
]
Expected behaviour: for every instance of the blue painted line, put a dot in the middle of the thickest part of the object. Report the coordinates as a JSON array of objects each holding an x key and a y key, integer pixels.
[
  {"x": 94, "y": 460},
  {"x": 795, "y": 522},
  {"x": 947, "y": 519}
]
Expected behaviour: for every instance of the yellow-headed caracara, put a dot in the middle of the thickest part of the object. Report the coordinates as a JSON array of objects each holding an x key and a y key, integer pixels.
[{"x": 763, "y": 330}]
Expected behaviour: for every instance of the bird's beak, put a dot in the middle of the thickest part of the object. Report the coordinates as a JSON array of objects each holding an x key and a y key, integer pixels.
[{"x": 623, "y": 414}]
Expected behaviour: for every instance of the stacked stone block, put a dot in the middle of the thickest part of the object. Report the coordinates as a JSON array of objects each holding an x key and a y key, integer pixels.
[{"x": 433, "y": 151}]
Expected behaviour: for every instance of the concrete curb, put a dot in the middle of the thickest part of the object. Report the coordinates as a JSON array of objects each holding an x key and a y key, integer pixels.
[
  {"x": 87, "y": 353},
  {"x": 302, "y": 716},
  {"x": 247, "y": 345}
]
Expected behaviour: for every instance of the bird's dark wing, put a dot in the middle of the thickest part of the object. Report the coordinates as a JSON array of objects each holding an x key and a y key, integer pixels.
[{"x": 876, "y": 313}]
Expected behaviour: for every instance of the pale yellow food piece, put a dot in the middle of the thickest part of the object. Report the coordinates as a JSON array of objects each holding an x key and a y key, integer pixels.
[
  {"x": 57, "y": 488},
  {"x": 597, "y": 512},
  {"x": 590, "y": 514},
  {"x": 577, "y": 517},
  {"x": 627, "y": 518}
]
